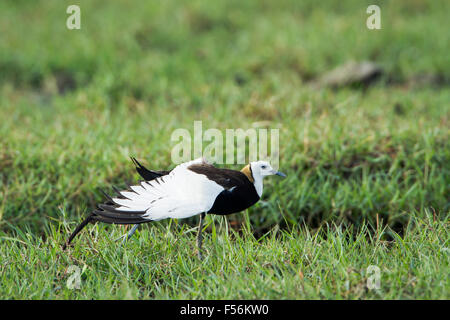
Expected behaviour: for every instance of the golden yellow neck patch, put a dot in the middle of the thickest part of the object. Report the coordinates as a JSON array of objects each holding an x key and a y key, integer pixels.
[{"x": 248, "y": 172}]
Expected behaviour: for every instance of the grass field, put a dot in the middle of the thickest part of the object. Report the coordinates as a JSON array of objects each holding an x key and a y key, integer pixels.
[{"x": 368, "y": 168}]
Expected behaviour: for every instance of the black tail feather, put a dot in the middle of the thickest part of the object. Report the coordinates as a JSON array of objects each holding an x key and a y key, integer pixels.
[
  {"x": 120, "y": 221},
  {"x": 112, "y": 217},
  {"x": 77, "y": 230},
  {"x": 112, "y": 212},
  {"x": 107, "y": 211}
]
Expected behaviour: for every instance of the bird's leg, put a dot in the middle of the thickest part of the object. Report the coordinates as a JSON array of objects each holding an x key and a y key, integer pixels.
[
  {"x": 128, "y": 235},
  {"x": 199, "y": 236}
]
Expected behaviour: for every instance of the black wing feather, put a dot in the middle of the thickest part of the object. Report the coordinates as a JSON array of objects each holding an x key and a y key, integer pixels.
[
  {"x": 107, "y": 212},
  {"x": 148, "y": 175}
]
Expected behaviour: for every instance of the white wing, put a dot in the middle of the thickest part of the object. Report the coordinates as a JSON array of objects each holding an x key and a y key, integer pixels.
[{"x": 180, "y": 194}]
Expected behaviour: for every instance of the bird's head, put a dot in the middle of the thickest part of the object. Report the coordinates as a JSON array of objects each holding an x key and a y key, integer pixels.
[{"x": 260, "y": 169}]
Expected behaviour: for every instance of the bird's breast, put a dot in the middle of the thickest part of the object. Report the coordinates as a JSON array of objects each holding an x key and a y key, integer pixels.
[{"x": 234, "y": 200}]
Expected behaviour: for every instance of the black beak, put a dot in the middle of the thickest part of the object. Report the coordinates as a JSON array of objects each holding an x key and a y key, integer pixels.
[{"x": 281, "y": 174}]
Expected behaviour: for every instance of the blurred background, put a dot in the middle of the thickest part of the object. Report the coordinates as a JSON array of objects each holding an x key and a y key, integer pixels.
[{"x": 363, "y": 114}]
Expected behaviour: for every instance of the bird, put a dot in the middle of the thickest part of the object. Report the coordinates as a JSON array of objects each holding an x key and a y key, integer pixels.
[{"x": 192, "y": 188}]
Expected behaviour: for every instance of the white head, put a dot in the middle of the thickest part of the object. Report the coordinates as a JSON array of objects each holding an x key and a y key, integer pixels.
[{"x": 259, "y": 170}]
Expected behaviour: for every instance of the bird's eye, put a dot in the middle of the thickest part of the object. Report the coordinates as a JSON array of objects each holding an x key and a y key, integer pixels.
[{"x": 263, "y": 167}]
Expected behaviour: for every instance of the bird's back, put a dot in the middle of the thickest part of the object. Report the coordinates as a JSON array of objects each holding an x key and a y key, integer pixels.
[{"x": 238, "y": 194}]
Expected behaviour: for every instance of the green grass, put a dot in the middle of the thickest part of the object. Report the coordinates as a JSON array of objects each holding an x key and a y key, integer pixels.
[
  {"x": 74, "y": 105},
  {"x": 161, "y": 263}
]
